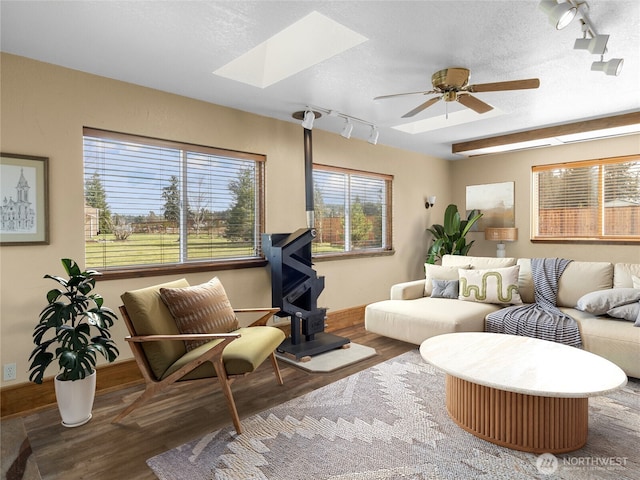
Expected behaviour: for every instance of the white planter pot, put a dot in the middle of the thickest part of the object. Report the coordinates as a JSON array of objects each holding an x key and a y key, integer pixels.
[{"x": 75, "y": 400}]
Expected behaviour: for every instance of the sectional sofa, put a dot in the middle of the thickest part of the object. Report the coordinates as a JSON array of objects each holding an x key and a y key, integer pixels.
[{"x": 590, "y": 292}]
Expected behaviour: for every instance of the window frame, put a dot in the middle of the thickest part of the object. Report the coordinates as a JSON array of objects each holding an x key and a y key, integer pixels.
[
  {"x": 387, "y": 248},
  {"x": 601, "y": 238},
  {"x": 193, "y": 266}
]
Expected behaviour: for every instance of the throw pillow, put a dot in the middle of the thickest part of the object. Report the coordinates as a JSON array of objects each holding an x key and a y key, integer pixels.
[
  {"x": 630, "y": 311},
  {"x": 445, "y": 288},
  {"x": 498, "y": 285},
  {"x": 601, "y": 301},
  {"x": 438, "y": 272},
  {"x": 200, "y": 309},
  {"x": 636, "y": 281}
]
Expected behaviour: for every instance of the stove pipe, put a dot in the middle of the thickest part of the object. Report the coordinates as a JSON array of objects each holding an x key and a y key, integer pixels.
[{"x": 308, "y": 177}]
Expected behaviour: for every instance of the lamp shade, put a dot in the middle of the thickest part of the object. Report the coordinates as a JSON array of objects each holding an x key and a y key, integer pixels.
[{"x": 502, "y": 234}]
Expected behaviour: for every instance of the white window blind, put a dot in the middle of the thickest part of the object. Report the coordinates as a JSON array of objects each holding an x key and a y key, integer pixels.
[
  {"x": 152, "y": 202},
  {"x": 352, "y": 211},
  {"x": 589, "y": 200}
]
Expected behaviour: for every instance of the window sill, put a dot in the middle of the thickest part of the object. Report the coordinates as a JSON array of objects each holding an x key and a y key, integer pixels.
[
  {"x": 160, "y": 270},
  {"x": 351, "y": 255},
  {"x": 589, "y": 241}
]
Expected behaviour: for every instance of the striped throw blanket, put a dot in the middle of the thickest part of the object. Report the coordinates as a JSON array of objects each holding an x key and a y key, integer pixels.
[{"x": 541, "y": 319}]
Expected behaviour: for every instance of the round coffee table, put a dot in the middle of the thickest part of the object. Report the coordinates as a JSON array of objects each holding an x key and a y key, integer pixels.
[{"x": 520, "y": 392}]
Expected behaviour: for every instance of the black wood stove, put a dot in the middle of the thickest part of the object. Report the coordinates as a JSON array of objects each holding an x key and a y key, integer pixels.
[{"x": 295, "y": 285}]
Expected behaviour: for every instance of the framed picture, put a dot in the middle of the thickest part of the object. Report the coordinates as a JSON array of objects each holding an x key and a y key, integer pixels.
[
  {"x": 496, "y": 203},
  {"x": 24, "y": 211}
]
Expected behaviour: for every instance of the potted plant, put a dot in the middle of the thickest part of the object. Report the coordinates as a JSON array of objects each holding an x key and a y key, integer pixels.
[
  {"x": 450, "y": 237},
  {"x": 75, "y": 326}
]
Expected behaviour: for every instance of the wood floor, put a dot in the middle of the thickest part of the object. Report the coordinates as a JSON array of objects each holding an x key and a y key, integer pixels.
[{"x": 102, "y": 450}]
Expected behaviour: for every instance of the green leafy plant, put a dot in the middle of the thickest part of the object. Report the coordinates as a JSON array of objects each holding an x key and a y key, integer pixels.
[
  {"x": 76, "y": 324},
  {"x": 450, "y": 237}
]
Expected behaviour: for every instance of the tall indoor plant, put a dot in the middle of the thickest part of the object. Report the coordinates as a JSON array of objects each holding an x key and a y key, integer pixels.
[
  {"x": 75, "y": 326},
  {"x": 450, "y": 237}
]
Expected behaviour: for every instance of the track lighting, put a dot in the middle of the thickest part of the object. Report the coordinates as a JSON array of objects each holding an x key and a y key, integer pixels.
[
  {"x": 596, "y": 45},
  {"x": 309, "y": 117},
  {"x": 612, "y": 67},
  {"x": 560, "y": 14},
  {"x": 373, "y": 138},
  {"x": 348, "y": 128}
]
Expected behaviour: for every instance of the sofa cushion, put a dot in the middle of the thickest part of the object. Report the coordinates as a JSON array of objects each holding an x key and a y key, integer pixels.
[
  {"x": 150, "y": 316},
  {"x": 623, "y": 274},
  {"x": 497, "y": 285},
  {"x": 630, "y": 311},
  {"x": 580, "y": 278},
  {"x": 616, "y": 340},
  {"x": 202, "y": 308},
  {"x": 601, "y": 301},
  {"x": 439, "y": 272},
  {"x": 636, "y": 281},
  {"x": 477, "y": 262},
  {"x": 445, "y": 288},
  {"x": 416, "y": 320}
]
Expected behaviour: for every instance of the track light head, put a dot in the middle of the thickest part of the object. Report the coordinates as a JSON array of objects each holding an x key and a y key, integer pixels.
[
  {"x": 612, "y": 67},
  {"x": 596, "y": 45},
  {"x": 560, "y": 14},
  {"x": 309, "y": 117},
  {"x": 348, "y": 128},
  {"x": 373, "y": 137}
]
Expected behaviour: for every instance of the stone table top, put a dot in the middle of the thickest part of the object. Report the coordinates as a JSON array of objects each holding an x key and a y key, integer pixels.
[{"x": 522, "y": 364}]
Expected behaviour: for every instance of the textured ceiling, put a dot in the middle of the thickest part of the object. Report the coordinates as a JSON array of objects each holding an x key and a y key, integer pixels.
[{"x": 176, "y": 45}]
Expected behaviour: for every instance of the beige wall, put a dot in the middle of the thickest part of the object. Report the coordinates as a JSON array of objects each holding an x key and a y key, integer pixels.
[
  {"x": 43, "y": 110},
  {"x": 516, "y": 167}
]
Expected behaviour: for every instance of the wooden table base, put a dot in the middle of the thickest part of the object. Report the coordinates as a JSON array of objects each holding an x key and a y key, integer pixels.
[{"x": 529, "y": 423}]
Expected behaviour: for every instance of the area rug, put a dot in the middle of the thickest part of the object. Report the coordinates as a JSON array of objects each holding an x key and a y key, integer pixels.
[
  {"x": 390, "y": 422},
  {"x": 333, "y": 359}
]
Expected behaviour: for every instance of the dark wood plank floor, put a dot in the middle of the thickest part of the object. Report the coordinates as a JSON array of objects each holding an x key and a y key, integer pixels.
[{"x": 101, "y": 450}]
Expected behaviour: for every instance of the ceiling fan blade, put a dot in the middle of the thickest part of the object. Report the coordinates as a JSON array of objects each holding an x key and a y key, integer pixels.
[
  {"x": 404, "y": 94},
  {"x": 501, "y": 86},
  {"x": 474, "y": 103},
  {"x": 421, "y": 107}
]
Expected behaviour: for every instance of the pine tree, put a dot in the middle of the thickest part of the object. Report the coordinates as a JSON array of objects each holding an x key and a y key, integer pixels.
[
  {"x": 240, "y": 225},
  {"x": 96, "y": 197},
  {"x": 171, "y": 195}
]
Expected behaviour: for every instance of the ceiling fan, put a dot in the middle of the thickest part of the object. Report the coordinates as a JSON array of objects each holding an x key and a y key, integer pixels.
[{"x": 451, "y": 84}]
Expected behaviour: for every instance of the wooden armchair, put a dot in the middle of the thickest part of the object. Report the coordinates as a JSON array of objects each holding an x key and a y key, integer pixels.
[{"x": 163, "y": 355}]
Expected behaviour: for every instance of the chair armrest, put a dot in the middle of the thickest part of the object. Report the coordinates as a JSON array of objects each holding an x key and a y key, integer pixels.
[
  {"x": 407, "y": 290},
  {"x": 183, "y": 337},
  {"x": 262, "y": 321}
]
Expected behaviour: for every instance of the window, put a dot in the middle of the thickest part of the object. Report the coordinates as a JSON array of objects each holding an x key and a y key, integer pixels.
[
  {"x": 352, "y": 211},
  {"x": 590, "y": 200},
  {"x": 151, "y": 203}
]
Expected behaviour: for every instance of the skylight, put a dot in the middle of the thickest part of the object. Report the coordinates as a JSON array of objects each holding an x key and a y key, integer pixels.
[
  {"x": 306, "y": 43},
  {"x": 443, "y": 121}
]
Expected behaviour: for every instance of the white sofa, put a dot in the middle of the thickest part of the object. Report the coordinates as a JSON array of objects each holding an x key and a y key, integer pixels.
[{"x": 413, "y": 316}]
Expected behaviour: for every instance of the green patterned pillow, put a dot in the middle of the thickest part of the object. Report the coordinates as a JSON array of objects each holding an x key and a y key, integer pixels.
[{"x": 497, "y": 285}]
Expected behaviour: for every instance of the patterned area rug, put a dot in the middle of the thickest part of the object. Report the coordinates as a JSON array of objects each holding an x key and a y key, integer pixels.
[
  {"x": 16, "y": 459},
  {"x": 390, "y": 422}
]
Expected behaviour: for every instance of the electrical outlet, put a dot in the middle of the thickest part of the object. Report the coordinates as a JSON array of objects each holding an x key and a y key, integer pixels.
[{"x": 9, "y": 371}]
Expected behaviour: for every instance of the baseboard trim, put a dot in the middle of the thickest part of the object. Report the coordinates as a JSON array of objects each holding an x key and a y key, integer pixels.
[{"x": 29, "y": 397}]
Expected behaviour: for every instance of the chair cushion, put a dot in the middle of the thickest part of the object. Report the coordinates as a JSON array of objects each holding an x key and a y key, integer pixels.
[
  {"x": 241, "y": 356},
  {"x": 150, "y": 316},
  {"x": 202, "y": 308}
]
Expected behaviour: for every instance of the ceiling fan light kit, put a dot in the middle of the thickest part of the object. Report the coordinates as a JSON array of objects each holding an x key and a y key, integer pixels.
[{"x": 591, "y": 41}]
